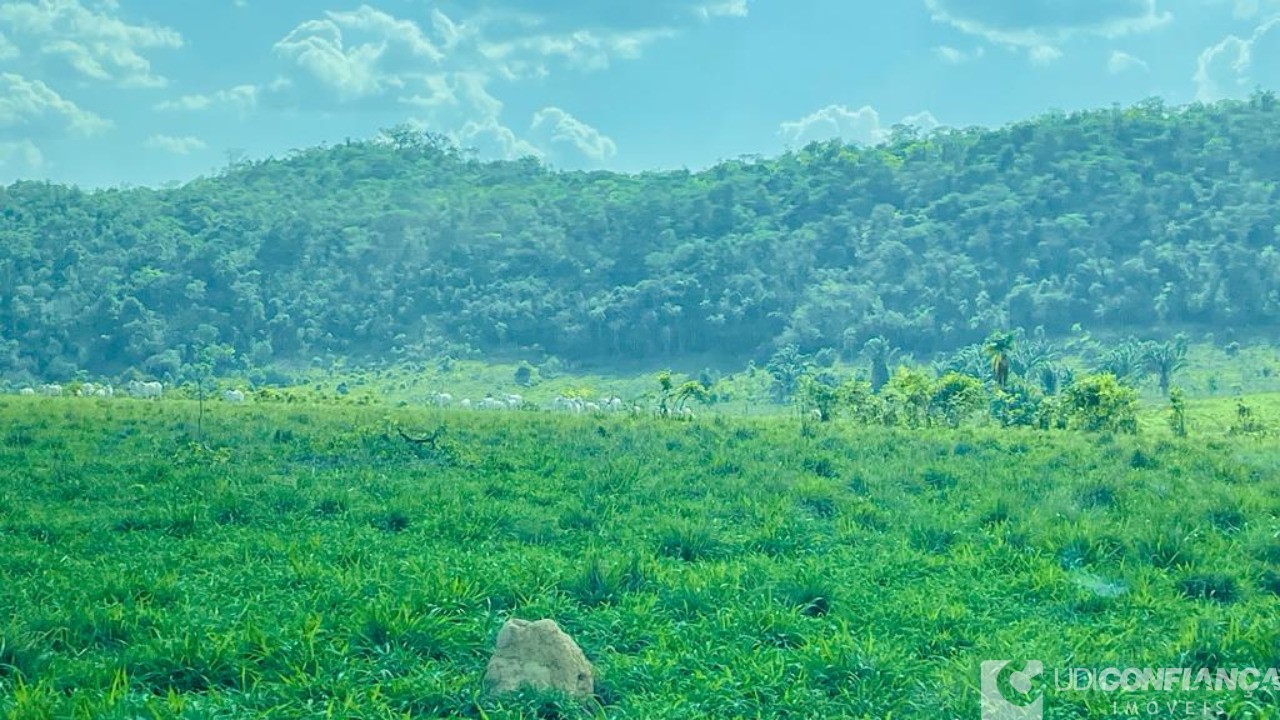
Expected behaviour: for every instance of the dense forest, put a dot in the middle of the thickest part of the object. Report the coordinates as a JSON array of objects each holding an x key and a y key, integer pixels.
[{"x": 1125, "y": 220}]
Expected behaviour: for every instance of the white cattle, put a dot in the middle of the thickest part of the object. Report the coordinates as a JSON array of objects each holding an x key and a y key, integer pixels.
[
  {"x": 611, "y": 404},
  {"x": 465, "y": 404},
  {"x": 592, "y": 407},
  {"x": 514, "y": 401},
  {"x": 27, "y": 392},
  {"x": 235, "y": 397},
  {"x": 442, "y": 399},
  {"x": 146, "y": 390},
  {"x": 104, "y": 391},
  {"x": 568, "y": 404},
  {"x": 491, "y": 403},
  {"x": 51, "y": 390}
]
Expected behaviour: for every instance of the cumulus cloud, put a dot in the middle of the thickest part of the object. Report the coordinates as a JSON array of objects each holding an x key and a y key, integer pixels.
[
  {"x": 556, "y": 128},
  {"x": 175, "y": 145},
  {"x": 92, "y": 40},
  {"x": 562, "y": 15},
  {"x": 386, "y": 50},
  {"x": 723, "y": 8},
  {"x": 862, "y": 126},
  {"x": 1122, "y": 62},
  {"x": 31, "y": 102},
  {"x": 21, "y": 153},
  {"x": 491, "y": 138},
  {"x": 953, "y": 56},
  {"x": 8, "y": 50},
  {"x": 1225, "y": 69},
  {"x": 529, "y": 56},
  {"x": 1043, "y": 54},
  {"x": 242, "y": 98},
  {"x": 1040, "y": 26}
]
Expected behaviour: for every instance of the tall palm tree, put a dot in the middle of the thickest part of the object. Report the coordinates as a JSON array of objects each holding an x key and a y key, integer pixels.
[
  {"x": 880, "y": 353},
  {"x": 1166, "y": 358},
  {"x": 998, "y": 348}
]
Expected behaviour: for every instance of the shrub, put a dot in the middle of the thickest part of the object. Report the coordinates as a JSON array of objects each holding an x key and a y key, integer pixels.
[{"x": 1098, "y": 403}]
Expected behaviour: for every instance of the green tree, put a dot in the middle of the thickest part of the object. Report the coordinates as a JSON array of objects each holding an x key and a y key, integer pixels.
[
  {"x": 906, "y": 397},
  {"x": 1166, "y": 358},
  {"x": 998, "y": 348},
  {"x": 863, "y": 404},
  {"x": 786, "y": 366},
  {"x": 817, "y": 395},
  {"x": 880, "y": 354},
  {"x": 957, "y": 397},
  {"x": 1101, "y": 403}
]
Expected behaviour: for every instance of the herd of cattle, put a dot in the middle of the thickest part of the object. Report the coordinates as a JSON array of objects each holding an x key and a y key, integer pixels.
[
  {"x": 573, "y": 405},
  {"x": 136, "y": 388}
]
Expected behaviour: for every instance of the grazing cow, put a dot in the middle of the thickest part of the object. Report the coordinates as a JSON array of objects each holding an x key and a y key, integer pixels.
[
  {"x": 145, "y": 390},
  {"x": 611, "y": 404},
  {"x": 104, "y": 391},
  {"x": 442, "y": 399},
  {"x": 592, "y": 407},
  {"x": 491, "y": 403},
  {"x": 514, "y": 401},
  {"x": 573, "y": 405},
  {"x": 27, "y": 392},
  {"x": 87, "y": 390},
  {"x": 465, "y": 404},
  {"x": 235, "y": 397},
  {"x": 51, "y": 390}
]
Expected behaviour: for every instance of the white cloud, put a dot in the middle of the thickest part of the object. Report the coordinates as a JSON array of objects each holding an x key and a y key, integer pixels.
[
  {"x": 557, "y": 128},
  {"x": 24, "y": 102},
  {"x": 835, "y": 121},
  {"x": 1043, "y": 54},
  {"x": 953, "y": 56},
  {"x": 1122, "y": 62},
  {"x": 8, "y": 50},
  {"x": 584, "y": 49},
  {"x": 722, "y": 8},
  {"x": 924, "y": 121},
  {"x": 175, "y": 145},
  {"x": 1223, "y": 69},
  {"x": 21, "y": 153},
  {"x": 491, "y": 138},
  {"x": 92, "y": 40},
  {"x": 392, "y": 49},
  {"x": 1039, "y": 27},
  {"x": 243, "y": 98},
  {"x": 862, "y": 126}
]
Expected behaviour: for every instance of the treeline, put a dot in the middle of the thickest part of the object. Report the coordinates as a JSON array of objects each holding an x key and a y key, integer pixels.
[{"x": 1120, "y": 220}]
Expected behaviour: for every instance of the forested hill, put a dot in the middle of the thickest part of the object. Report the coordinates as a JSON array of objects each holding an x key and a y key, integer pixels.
[{"x": 1123, "y": 219}]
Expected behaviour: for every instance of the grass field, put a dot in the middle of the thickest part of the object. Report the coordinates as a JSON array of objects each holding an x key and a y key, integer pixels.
[{"x": 302, "y": 561}]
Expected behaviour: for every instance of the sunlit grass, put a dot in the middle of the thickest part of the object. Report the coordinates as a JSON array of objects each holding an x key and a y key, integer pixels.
[{"x": 290, "y": 561}]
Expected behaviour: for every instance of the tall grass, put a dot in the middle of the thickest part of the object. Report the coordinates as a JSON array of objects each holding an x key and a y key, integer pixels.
[{"x": 309, "y": 561}]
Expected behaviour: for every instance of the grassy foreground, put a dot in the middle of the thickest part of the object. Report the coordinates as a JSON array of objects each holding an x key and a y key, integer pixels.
[{"x": 309, "y": 562}]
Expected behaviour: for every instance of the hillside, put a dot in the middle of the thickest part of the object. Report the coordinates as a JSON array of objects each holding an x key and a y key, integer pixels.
[
  {"x": 304, "y": 560},
  {"x": 1121, "y": 220}
]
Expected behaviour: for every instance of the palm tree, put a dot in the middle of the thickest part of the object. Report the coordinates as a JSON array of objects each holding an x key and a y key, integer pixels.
[
  {"x": 880, "y": 353},
  {"x": 1164, "y": 359},
  {"x": 998, "y": 348},
  {"x": 1124, "y": 361}
]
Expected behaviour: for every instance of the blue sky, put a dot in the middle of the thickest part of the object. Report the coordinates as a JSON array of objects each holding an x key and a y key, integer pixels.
[{"x": 145, "y": 92}]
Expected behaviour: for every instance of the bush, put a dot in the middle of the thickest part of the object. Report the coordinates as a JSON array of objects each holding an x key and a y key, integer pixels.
[{"x": 1099, "y": 403}]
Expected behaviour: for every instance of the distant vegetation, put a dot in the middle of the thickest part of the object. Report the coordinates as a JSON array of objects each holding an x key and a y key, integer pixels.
[{"x": 1120, "y": 220}]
